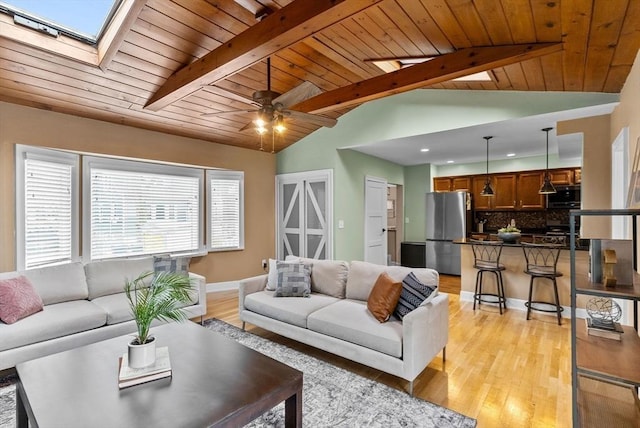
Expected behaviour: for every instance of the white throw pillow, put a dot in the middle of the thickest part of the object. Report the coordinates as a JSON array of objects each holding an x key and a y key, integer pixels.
[{"x": 272, "y": 278}]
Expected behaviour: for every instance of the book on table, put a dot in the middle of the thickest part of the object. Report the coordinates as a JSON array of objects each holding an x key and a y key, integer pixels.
[
  {"x": 613, "y": 331},
  {"x": 129, "y": 376}
]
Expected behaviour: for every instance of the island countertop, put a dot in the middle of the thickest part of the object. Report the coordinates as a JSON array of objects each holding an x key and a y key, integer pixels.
[
  {"x": 516, "y": 281},
  {"x": 524, "y": 238}
]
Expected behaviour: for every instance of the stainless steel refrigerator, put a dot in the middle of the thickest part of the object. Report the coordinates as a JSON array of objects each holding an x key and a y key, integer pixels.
[{"x": 446, "y": 220}]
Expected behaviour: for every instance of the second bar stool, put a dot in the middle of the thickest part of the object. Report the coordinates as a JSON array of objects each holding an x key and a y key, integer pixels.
[
  {"x": 542, "y": 261},
  {"x": 486, "y": 256}
]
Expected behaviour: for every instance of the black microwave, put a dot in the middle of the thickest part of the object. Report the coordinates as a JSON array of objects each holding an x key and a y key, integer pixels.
[{"x": 565, "y": 197}]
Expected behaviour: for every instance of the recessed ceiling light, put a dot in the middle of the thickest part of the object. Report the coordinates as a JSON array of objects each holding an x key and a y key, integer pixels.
[
  {"x": 424, "y": 150},
  {"x": 450, "y": 161},
  {"x": 510, "y": 155}
]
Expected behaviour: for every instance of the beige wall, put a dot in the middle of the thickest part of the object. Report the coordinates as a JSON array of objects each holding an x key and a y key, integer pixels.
[
  {"x": 24, "y": 125},
  {"x": 627, "y": 113},
  {"x": 596, "y": 170}
]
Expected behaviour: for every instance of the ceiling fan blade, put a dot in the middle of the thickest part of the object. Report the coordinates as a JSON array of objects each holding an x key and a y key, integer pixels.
[
  {"x": 222, "y": 113},
  {"x": 298, "y": 94},
  {"x": 311, "y": 118},
  {"x": 228, "y": 94}
]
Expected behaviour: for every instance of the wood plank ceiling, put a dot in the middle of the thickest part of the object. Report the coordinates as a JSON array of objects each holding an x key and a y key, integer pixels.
[{"x": 600, "y": 39}]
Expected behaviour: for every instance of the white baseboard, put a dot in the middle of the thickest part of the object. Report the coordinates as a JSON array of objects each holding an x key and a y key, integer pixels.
[
  {"x": 222, "y": 286},
  {"x": 518, "y": 304}
]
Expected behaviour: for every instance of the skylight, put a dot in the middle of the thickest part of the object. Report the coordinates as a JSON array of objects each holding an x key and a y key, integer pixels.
[
  {"x": 389, "y": 65},
  {"x": 82, "y": 19}
]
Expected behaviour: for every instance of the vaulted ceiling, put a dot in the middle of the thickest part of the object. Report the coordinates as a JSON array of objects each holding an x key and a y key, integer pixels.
[{"x": 173, "y": 65}]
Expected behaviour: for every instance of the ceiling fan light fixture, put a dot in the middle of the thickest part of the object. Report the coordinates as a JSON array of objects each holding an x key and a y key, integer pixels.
[
  {"x": 279, "y": 126},
  {"x": 261, "y": 130}
]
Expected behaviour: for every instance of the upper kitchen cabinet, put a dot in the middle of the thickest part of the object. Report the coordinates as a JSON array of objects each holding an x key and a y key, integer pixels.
[
  {"x": 505, "y": 192},
  {"x": 442, "y": 184},
  {"x": 481, "y": 202},
  {"x": 577, "y": 176},
  {"x": 562, "y": 176},
  {"x": 461, "y": 184},
  {"x": 528, "y": 186}
]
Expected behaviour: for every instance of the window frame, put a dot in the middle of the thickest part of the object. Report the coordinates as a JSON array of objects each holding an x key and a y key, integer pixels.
[
  {"x": 142, "y": 166},
  {"x": 212, "y": 174},
  {"x": 22, "y": 153}
]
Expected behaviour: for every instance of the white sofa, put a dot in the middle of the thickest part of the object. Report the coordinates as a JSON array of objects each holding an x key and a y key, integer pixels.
[
  {"x": 83, "y": 304},
  {"x": 335, "y": 318}
]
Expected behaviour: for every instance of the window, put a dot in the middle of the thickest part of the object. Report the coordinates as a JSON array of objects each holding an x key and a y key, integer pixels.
[
  {"x": 226, "y": 210},
  {"x": 46, "y": 207},
  {"x": 135, "y": 208},
  {"x": 84, "y": 20}
]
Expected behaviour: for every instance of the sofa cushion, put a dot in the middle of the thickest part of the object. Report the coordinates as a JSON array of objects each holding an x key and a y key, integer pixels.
[
  {"x": 363, "y": 275},
  {"x": 106, "y": 277},
  {"x": 116, "y": 306},
  {"x": 328, "y": 276},
  {"x": 293, "y": 310},
  {"x": 56, "y": 284},
  {"x": 350, "y": 320},
  {"x": 294, "y": 280},
  {"x": 414, "y": 293},
  {"x": 384, "y": 297},
  {"x": 18, "y": 299},
  {"x": 53, "y": 321}
]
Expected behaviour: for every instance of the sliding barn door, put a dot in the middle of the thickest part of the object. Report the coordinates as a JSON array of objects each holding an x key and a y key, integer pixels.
[{"x": 304, "y": 223}]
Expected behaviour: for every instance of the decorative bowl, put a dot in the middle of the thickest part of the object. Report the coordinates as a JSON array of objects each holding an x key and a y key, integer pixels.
[{"x": 509, "y": 237}]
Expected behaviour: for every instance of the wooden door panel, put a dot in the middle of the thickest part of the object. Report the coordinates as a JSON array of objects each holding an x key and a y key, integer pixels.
[
  {"x": 505, "y": 190},
  {"x": 441, "y": 184},
  {"x": 528, "y": 187},
  {"x": 480, "y": 202},
  {"x": 461, "y": 183},
  {"x": 561, "y": 176}
]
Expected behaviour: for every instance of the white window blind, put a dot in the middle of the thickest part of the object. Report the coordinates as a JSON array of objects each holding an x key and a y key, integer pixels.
[
  {"x": 226, "y": 210},
  {"x": 135, "y": 212},
  {"x": 46, "y": 214}
]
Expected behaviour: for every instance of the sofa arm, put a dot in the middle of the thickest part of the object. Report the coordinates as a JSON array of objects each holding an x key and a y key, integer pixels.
[
  {"x": 200, "y": 285},
  {"x": 425, "y": 331},
  {"x": 248, "y": 286}
]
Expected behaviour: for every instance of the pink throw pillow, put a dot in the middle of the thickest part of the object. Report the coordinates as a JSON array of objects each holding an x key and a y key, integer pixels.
[{"x": 18, "y": 299}]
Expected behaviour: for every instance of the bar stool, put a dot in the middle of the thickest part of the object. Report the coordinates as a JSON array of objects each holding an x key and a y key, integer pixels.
[
  {"x": 542, "y": 261},
  {"x": 486, "y": 256}
]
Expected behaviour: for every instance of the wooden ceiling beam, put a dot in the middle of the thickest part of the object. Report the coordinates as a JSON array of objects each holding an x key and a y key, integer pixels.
[
  {"x": 283, "y": 28},
  {"x": 440, "y": 69}
]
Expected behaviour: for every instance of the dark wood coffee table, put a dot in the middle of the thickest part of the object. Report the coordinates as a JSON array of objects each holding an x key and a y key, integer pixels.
[{"x": 215, "y": 382}]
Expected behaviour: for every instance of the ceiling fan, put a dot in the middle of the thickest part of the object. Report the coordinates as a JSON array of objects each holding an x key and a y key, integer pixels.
[{"x": 272, "y": 107}]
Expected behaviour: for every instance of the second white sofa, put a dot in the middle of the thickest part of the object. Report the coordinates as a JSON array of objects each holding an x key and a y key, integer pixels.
[{"x": 335, "y": 317}]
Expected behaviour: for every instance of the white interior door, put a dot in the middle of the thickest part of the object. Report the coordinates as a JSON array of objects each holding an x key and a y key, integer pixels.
[
  {"x": 375, "y": 221},
  {"x": 304, "y": 214}
]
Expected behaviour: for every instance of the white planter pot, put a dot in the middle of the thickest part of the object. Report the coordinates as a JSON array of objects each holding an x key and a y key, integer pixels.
[{"x": 142, "y": 355}]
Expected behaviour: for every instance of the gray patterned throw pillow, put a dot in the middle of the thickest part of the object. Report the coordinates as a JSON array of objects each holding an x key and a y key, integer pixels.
[
  {"x": 294, "y": 280},
  {"x": 414, "y": 293}
]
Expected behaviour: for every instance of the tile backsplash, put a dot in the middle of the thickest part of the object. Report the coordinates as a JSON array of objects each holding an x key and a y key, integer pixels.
[{"x": 535, "y": 221}]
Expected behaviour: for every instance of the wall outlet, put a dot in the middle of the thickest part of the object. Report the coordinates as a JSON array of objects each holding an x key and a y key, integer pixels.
[{"x": 264, "y": 264}]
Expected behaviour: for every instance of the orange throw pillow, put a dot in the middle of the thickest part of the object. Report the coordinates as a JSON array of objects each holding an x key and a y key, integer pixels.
[{"x": 384, "y": 297}]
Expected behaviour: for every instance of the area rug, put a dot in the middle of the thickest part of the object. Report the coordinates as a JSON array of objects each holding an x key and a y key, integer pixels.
[{"x": 332, "y": 397}]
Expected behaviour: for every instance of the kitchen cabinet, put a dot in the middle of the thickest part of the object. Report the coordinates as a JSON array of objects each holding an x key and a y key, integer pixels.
[
  {"x": 604, "y": 372},
  {"x": 505, "y": 192},
  {"x": 527, "y": 191},
  {"x": 577, "y": 175},
  {"x": 561, "y": 176},
  {"x": 481, "y": 202},
  {"x": 442, "y": 184},
  {"x": 461, "y": 183}
]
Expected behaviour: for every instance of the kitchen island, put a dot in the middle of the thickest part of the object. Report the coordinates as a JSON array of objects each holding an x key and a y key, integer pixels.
[{"x": 516, "y": 282}]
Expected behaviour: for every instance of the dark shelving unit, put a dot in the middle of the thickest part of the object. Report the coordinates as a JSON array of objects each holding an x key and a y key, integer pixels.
[{"x": 605, "y": 373}]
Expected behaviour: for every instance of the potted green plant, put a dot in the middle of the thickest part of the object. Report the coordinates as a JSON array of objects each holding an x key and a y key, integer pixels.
[
  {"x": 509, "y": 234},
  {"x": 156, "y": 299}
]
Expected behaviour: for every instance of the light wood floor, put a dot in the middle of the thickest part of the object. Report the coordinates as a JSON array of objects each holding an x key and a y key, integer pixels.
[{"x": 500, "y": 369}]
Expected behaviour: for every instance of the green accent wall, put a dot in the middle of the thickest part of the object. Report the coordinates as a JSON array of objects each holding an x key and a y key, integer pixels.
[{"x": 416, "y": 112}]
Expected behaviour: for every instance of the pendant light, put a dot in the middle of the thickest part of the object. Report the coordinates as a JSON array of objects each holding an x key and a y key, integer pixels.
[
  {"x": 547, "y": 185},
  {"x": 487, "y": 190}
]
